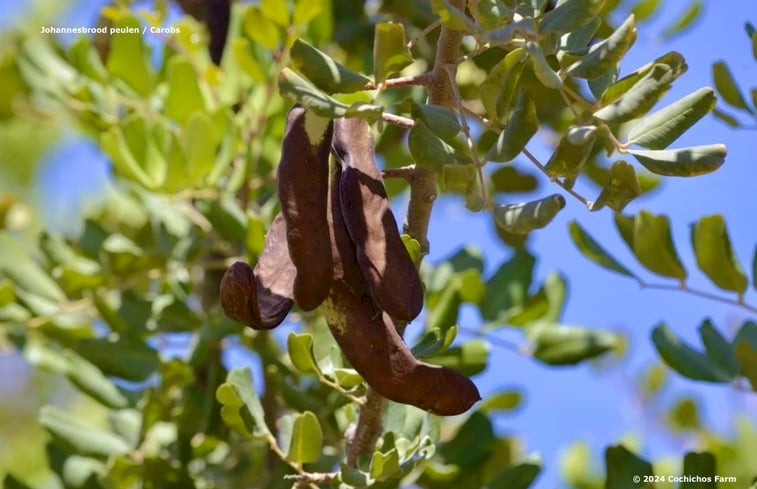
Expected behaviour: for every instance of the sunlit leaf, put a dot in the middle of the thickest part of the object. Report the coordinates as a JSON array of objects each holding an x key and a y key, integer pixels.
[
  {"x": 571, "y": 153},
  {"x": 594, "y": 251},
  {"x": 622, "y": 187},
  {"x": 605, "y": 54},
  {"x": 324, "y": 72},
  {"x": 390, "y": 53},
  {"x": 184, "y": 94},
  {"x": 658, "y": 130},
  {"x": 682, "y": 162},
  {"x": 672, "y": 60},
  {"x": 501, "y": 401},
  {"x": 128, "y": 57},
  {"x": 718, "y": 349},
  {"x": 242, "y": 49},
  {"x": 452, "y": 17},
  {"x": 528, "y": 216},
  {"x": 653, "y": 245},
  {"x": 441, "y": 120},
  {"x": 715, "y": 255},
  {"x": 685, "y": 20},
  {"x": 241, "y": 408},
  {"x": 470, "y": 358},
  {"x": 684, "y": 359},
  {"x": 563, "y": 345},
  {"x": 260, "y": 28},
  {"x": 307, "y": 439},
  {"x": 18, "y": 266},
  {"x": 91, "y": 381},
  {"x": 385, "y": 465},
  {"x": 500, "y": 86},
  {"x": 521, "y": 127},
  {"x": 277, "y": 11},
  {"x": 307, "y": 10},
  {"x": 645, "y": 9},
  {"x": 569, "y": 15},
  {"x": 79, "y": 436},
  {"x": 300, "y": 347},
  {"x": 726, "y": 86},
  {"x": 458, "y": 178},
  {"x": 543, "y": 71},
  {"x": 639, "y": 97}
]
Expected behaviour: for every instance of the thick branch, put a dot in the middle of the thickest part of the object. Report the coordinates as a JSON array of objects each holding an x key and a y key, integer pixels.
[{"x": 368, "y": 428}]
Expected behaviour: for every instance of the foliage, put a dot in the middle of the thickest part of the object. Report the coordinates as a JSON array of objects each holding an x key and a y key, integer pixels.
[{"x": 194, "y": 148}]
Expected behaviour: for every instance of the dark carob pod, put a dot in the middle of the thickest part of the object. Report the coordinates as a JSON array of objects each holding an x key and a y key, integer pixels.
[
  {"x": 367, "y": 337},
  {"x": 384, "y": 261},
  {"x": 261, "y": 298},
  {"x": 303, "y": 180}
]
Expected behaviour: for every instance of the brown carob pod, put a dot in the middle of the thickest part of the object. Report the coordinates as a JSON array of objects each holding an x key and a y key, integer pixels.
[
  {"x": 367, "y": 337},
  {"x": 370, "y": 342},
  {"x": 303, "y": 192},
  {"x": 385, "y": 263},
  {"x": 261, "y": 298}
]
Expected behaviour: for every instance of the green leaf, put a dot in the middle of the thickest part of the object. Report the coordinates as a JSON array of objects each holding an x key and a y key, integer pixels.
[
  {"x": 594, "y": 251},
  {"x": 727, "y": 87},
  {"x": 639, "y": 97},
  {"x": 384, "y": 465},
  {"x": 501, "y": 401},
  {"x": 301, "y": 90},
  {"x": 653, "y": 245},
  {"x": 754, "y": 268},
  {"x": 7, "y": 296},
  {"x": 246, "y": 60},
  {"x": 260, "y": 28},
  {"x": 543, "y": 71},
  {"x": 745, "y": 349},
  {"x": 127, "y": 357},
  {"x": 562, "y": 345},
  {"x": 623, "y": 467},
  {"x": 134, "y": 153},
  {"x": 443, "y": 314},
  {"x": 324, "y": 72},
  {"x": 83, "y": 57},
  {"x": 277, "y": 11},
  {"x": 575, "y": 43},
  {"x": 413, "y": 248},
  {"x": 91, "y": 381},
  {"x": 80, "y": 437},
  {"x": 354, "y": 477},
  {"x": 23, "y": 272},
  {"x": 726, "y": 118},
  {"x": 458, "y": 178},
  {"x": 307, "y": 10},
  {"x": 500, "y": 86},
  {"x": 128, "y": 57},
  {"x": 470, "y": 358},
  {"x": 673, "y": 60},
  {"x": 684, "y": 359},
  {"x": 390, "y": 53},
  {"x": 701, "y": 465},
  {"x": 571, "y": 153},
  {"x": 685, "y": 20},
  {"x": 300, "y": 347},
  {"x": 452, "y": 17},
  {"x": 240, "y": 405},
  {"x": 429, "y": 150},
  {"x": 715, "y": 256},
  {"x": 682, "y": 162},
  {"x": 622, "y": 187},
  {"x": 521, "y": 127},
  {"x": 199, "y": 148},
  {"x": 511, "y": 179},
  {"x": 307, "y": 439},
  {"x": 645, "y": 9},
  {"x": 569, "y": 15},
  {"x": 82, "y": 472},
  {"x": 718, "y": 349},
  {"x": 184, "y": 94},
  {"x": 604, "y": 55},
  {"x": 441, "y": 120},
  {"x": 519, "y": 476},
  {"x": 658, "y": 130},
  {"x": 434, "y": 341},
  {"x": 508, "y": 286},
  {"x": 528, "y": 216},
  {"x": 10, "y": 482}
]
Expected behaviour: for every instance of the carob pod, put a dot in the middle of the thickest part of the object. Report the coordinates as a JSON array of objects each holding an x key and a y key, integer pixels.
[
  {"x": 367, "y": 337},
  {"x": 384, "y": 261},
  {"x": 261, "y": 298},
  {"x": 303, "y": 176}
]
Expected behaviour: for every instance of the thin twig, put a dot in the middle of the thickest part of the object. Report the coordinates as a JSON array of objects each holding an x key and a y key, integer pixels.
[
  {"x": 403, "y": 81},
  {"x": 274, "y": 446},
  {"x": 423, "y": 33},
  {"x": 699, "y": 293},
  {"x": 397, "y": 120},
  {"x": 569, "y": 104},
  {"x": 330, "y": 383},
  {"x": 404, "y": 172},
  {"x": 572, "y": 192},
  {"x": 578, "y": 98}
]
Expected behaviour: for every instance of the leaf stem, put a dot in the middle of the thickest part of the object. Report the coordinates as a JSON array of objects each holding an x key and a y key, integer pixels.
[
  {"x": 423, "y": 33},
  {"x": 699, "y": 293},
  {"x": 572, "y": 192},
  {"x": 423, "y": 79},
  {"x": 404, "y": 172}
]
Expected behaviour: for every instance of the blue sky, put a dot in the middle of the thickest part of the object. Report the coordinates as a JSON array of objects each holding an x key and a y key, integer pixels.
[{"x": 583, "y": 403}]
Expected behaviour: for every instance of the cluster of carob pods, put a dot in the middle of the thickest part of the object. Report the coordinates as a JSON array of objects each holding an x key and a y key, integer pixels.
[{"x": 336, "y": 243}]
